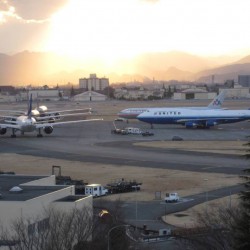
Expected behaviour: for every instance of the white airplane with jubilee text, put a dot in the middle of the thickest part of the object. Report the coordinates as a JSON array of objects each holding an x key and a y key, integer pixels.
[{"x": 27, "y": 123}]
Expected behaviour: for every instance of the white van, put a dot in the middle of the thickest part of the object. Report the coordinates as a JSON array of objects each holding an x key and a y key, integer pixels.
[
  {"x": 172, "y": 197},
  {"x": 95, "y": 190}
]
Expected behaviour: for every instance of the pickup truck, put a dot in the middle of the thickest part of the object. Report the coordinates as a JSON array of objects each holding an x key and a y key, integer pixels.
[{"x": 172, "y": 197}]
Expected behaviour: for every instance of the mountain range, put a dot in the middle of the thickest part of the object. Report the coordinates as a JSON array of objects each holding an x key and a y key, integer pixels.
[{"x": 38, "y": 68}]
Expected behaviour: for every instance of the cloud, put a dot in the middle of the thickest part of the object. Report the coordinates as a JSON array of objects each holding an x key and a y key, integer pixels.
[
  {"x": 36, "y": 10},
  {"x": 151, "y": 1},
  {"x": 24, "y": 23}
]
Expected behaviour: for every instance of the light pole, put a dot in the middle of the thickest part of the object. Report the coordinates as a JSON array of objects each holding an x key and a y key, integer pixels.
[
  {"x": 206, "y": 193},
  {"x": 112, "y": 228}
]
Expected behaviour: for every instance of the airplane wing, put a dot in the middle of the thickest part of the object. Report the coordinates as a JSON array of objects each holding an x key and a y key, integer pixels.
[
  {"x": 14, "y": 111},
  {"x": 42, "y": 125},
  {"x": 3, "y": 125},
  {"x": 62, "y": 111},
  {"x": 8, "y": 116},
  {"x": 59, "y": 116}
]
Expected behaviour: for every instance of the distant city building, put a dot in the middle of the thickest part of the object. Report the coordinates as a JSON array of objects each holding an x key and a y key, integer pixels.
[
  {"x": 7, "y": 90},
  {"x": 138, "y": 93},
  {"x": 45, "y": 94},
  {"x": 244, "y": 80},
  {"x": 197, "y": 94},
  {"x": 237, "y": 92},
  {"x": 7, "y": 98},
  {"x": 93, "y": 83}
]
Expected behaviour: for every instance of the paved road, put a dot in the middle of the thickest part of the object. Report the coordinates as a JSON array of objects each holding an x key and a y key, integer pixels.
[
  {"x": 149, "y": 213},
  {"x": 93, "y": 142}
]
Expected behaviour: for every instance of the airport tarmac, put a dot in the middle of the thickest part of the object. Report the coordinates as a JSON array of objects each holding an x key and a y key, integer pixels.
[{"x": 93, "y": 143}]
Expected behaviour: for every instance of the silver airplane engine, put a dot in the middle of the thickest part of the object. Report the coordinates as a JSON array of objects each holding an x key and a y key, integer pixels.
[
  {"x": 48, "y": 130},
  {"x": 42, "y": 109}
]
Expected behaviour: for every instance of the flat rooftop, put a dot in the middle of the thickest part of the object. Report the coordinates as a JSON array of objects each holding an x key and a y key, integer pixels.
[{"x": 28, "y": 192}]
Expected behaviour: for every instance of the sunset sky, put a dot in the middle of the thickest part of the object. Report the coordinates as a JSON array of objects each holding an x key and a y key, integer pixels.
[{"x": 115, "y": 29}]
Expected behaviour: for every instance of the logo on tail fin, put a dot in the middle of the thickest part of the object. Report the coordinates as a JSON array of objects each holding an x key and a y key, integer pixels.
[{"x": 217, "y": 102}]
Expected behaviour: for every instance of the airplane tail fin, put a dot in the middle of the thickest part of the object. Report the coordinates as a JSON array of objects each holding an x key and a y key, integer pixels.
[
  {"x": 30, "y": 107},
  {"x": 217, "y": 101}
]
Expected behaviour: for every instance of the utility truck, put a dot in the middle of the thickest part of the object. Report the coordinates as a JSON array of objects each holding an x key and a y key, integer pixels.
[
  {"x": 172, "y": 197},
  {"x": 95, "y": 190},
  {"x": 135, "y": 131}
]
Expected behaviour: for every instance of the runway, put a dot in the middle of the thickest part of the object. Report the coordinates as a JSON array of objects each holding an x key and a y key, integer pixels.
[{"x": 93, "y": 142}]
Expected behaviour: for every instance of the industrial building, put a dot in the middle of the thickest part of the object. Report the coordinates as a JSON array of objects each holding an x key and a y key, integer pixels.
[
  {"x": 89, "y": 96},
  {"x": 27, "y": 197},
  {"x": 244, "y": 80},
  {"x": 45, "y": 94},
  {"x": 198, "y": 94},
  {"x": 93, "y": 83}
]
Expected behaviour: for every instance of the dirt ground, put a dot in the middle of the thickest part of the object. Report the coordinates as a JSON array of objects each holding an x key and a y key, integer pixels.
[{"x": 183, "y": 182}]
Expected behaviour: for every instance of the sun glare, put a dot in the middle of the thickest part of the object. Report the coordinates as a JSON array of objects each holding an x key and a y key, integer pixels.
[
  {"x": 86, "y": 29},
  {"x": 113, "y": 29}
]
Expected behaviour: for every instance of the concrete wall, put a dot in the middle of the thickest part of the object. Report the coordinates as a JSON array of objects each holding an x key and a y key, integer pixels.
[
  {"x": 34, "y": 209},
  {"x": 46, "y": 181}
]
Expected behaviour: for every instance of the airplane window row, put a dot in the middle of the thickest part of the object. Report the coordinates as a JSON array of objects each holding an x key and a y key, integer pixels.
[{"x": 167, "y": 113}]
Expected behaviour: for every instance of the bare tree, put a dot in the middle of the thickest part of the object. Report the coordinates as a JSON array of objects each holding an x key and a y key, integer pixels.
[
  {"x": 56, "y": 230},
  {"x": 226, "y": 228}
]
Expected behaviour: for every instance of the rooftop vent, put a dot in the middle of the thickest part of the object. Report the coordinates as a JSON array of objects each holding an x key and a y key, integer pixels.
[{"x": 16, "y": 189}]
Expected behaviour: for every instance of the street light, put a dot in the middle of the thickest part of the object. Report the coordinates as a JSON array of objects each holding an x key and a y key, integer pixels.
[
  {"x": 206, "y": 194},
  {"x": 111, "y": 229}
]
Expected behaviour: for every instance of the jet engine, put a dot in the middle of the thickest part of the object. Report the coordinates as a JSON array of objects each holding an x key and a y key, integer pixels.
[
  {"x": 42, "y": 109},
  {"x": 48, "y": 130},
  {"x": 211, "y": 123},
  {"x": 190, "y": 125},
  {"x": 3, "y": 131},
  {"x": 51, "y": 120}
]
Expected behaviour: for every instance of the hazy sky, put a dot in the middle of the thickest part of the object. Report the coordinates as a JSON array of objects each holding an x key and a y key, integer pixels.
[{"x": 113, "y": 29}]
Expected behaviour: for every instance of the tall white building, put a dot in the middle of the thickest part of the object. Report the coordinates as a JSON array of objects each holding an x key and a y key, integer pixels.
[{"x": 93, "y": 83}]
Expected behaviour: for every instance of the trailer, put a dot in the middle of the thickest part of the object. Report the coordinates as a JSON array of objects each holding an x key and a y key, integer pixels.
[
  {"x": 134, "y": 131},
  {"x": 123, "y": 186}
]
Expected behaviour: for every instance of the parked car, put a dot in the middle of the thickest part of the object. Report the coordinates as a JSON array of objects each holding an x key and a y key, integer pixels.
[
  {"x": 120, "y": 119},
  {"x": 177, "y": 138},
  {"x": 147, "y": 133}
]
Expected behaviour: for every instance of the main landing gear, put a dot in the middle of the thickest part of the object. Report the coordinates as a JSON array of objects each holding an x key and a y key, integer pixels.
[
  {"x": 13, "y": 133},
  {"x": 39, "y": 133}
]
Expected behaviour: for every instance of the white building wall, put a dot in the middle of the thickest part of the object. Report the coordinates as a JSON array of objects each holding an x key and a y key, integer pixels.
[
  {"x": 10, "y": 211},
  {"x": 237, "y": 93},
  {"x": 52, "y": 94},
  {"x": 46, "y": 181},
  {"x": 205, "y": 96},
  {"x": 179, "y": 96},
  {"x": 7, "y": 98}
]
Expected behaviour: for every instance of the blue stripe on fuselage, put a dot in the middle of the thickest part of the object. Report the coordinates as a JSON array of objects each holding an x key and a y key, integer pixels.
[{"x": 176, "y": 120}]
